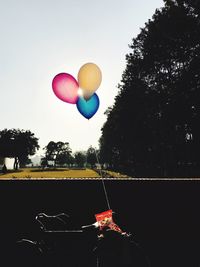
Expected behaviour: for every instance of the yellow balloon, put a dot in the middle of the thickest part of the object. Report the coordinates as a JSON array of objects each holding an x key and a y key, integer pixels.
[{"x": 89, "y": 79}]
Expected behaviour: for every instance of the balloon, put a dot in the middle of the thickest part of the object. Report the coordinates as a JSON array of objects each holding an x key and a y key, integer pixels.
[
  {"x": 88, "y": 108},
  {"x": 89, "y": 79},
  {"x": 65, "y": 87}
]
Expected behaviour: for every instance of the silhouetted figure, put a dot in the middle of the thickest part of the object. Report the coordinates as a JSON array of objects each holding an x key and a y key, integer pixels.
[{"x": 4, "y": 169}]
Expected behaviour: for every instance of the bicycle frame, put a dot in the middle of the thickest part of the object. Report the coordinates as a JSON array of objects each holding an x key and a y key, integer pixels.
[{"x": 60, "y": 247}]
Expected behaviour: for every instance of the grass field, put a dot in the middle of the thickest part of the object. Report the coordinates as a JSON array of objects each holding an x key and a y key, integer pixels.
[
  {"x": 35, "y": 173},
  {"x": 117, "y": 175}
]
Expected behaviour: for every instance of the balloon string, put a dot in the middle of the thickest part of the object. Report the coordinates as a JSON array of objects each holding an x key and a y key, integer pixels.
[{"x": 104, "y": 187}]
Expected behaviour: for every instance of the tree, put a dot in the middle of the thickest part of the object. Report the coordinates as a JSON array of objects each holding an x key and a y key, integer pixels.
[
  {"x": 91, "y": 156},
  {"x": 156, "y": 109},
  {"x": 80, "y": 158},
  {"x": 44, "y": 162},
  {"x": 18, "y": 144},
  {"x": 65, "y": 158},
  {"x": 58, "y": 152}
]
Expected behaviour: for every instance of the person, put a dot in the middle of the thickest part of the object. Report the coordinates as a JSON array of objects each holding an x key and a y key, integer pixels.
[{"x": 4, "y": 169}]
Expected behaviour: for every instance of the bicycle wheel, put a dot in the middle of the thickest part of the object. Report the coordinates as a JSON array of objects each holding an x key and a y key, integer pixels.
[{"x": 116, "y": 250}]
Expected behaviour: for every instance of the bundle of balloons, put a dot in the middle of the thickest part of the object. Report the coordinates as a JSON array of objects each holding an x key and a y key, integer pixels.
[{"x": 81, "y": 92}]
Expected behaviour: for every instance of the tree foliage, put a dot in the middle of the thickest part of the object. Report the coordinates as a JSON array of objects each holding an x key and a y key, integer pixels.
[
  {"x": 153, "y": 126},
  {"x": 58, "y": 152},
  {"x": 80, "y": 158},
  {"x": 91, "y": 156},
  {"x": 18, "y": 144}
]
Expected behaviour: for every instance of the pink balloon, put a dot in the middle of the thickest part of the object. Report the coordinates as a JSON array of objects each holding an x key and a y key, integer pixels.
[{"x": 65, "y": 87}]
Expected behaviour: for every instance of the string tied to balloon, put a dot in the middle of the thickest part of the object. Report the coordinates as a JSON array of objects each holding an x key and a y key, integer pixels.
[{"x": 82, "y": 93}]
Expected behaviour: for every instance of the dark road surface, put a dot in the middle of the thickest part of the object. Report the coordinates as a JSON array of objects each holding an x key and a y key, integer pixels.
[{"x": 163, "y": 216}]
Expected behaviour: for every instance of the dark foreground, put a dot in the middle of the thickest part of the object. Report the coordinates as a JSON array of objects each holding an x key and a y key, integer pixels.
[{"x": 163, "y": 217}]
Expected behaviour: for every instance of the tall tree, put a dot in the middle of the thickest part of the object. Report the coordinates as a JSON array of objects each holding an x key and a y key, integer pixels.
[
  {"x": 18, "y": 144},
  {"x": 91, "y": 156},
  {"x": 80, "y": 158},
  {"x": 153, "y": 126},
  {"x": 58, "y": 152}
]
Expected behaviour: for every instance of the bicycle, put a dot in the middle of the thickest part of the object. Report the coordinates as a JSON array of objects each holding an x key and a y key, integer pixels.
[{"x": 57, "y": 244}]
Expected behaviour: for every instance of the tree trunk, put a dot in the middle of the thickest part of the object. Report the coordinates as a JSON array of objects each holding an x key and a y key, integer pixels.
[{"x": 16, "y": 163}]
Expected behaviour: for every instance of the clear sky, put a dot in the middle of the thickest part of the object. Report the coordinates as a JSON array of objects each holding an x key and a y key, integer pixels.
[{"x": 41, "y": 38}]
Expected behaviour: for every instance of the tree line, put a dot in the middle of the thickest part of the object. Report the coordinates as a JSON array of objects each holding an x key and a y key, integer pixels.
[
  {"x": 153, "y": 127},
  {"x": 60, "y": 154},
  {"x": 21, "y": 144}
]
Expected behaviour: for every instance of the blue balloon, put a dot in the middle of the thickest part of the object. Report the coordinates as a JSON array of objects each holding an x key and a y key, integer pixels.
[{"x": 88, "y": 108}]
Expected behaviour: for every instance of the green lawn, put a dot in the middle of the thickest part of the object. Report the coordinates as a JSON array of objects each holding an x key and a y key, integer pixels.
[
  {"x": 117, "y": 175},
  {"x": 35, "y": 173}
]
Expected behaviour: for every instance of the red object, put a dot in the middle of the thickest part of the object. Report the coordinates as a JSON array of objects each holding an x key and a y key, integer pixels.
[{"x": 105, "y": 219}]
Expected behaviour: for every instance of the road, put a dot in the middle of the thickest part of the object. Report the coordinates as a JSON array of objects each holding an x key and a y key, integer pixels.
[{"x": 162, "y": 215}]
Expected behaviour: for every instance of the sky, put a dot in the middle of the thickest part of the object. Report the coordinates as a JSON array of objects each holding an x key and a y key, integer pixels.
[{"x": 41, "y": 38}]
